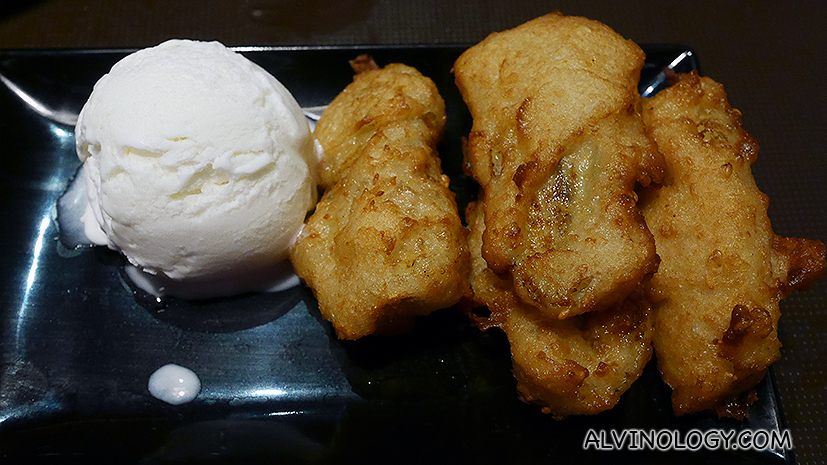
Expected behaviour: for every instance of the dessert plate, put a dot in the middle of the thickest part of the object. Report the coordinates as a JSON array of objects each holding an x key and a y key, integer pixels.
[{"x": 79, "y": 342}]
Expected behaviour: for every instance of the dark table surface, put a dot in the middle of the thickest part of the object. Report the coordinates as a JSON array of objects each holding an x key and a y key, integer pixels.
[{"x": 770, "y": 56}]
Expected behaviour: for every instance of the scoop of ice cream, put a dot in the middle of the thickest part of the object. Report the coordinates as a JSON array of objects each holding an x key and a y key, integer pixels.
[{"x": 199, "y": 164}]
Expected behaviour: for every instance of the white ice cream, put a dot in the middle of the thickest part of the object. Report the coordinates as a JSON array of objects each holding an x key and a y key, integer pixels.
[
  {"x": 174, "y": 384},
  {"x": 199, "y": 166}
]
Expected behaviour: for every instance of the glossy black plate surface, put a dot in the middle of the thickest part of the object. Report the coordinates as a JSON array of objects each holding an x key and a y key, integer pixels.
[{"x": 79, "y": 343}]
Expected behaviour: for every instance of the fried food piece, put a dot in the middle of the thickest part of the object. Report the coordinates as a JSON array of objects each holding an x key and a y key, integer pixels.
[
  {"x": 385, "y": 242},
  {"x": 558, "y": 145},
  {"x": 398, "y": 94},
  {"x": 581, "y": 365},
  {"x": 723, "y": 270}
]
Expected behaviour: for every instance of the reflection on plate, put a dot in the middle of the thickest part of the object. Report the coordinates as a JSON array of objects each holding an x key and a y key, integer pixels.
[{"x": 79, "y": 343}]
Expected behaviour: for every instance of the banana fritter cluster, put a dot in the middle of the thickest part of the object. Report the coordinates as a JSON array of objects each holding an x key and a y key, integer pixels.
[{"x": 606, "y": 225}]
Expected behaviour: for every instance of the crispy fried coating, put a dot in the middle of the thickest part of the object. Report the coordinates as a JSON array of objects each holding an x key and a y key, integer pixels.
[
  {"x": 557, "y": 145},
  {"x": 398, "y": 94},
  {"x": 385, "y": 242},
  {"x": 723, "y": 270},
  {"x": 580, "y": 365}
]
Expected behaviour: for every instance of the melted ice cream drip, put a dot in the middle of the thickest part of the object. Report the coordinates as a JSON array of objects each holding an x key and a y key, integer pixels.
[{"x": 174, "y": 384}]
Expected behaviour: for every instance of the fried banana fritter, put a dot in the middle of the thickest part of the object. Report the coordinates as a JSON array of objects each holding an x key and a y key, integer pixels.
[
  {"x": 398, "y": 94},
  {"x": 723, "y": 270},
  {"x": 580, "y": 365},
  {"x": 385, "y": 242},
  {"x": 557, "y": 146}
]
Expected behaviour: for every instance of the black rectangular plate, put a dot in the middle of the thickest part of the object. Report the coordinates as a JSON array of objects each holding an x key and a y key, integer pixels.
[{"x": 79, "y": 343}]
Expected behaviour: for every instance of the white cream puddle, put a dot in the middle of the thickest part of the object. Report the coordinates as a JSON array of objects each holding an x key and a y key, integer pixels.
[
  {"x": 174, "y": 384},
  {"x": 70, "y": 208}
]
